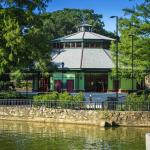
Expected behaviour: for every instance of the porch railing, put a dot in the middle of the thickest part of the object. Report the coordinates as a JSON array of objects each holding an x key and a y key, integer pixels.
[{"x": 85, "y": 105}]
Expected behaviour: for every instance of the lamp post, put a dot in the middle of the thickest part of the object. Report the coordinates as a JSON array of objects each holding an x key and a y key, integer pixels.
[
  {"x": 117, "y": 19},
  {"x": 62, "y": 65},
  {"x": 132, "y": 58}
]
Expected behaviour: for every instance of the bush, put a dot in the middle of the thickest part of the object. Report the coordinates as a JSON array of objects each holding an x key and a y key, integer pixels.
[
  {"x": 11, "y": 95},
  {"x": 78, "y": 97},
  {"x": 147, "y": 92},
  {"x": 46, "y": 97},
  {"x": 137, "y": 102},
  {"x": 132, "y": 98},
  {"x": 59, "y": 96},
  {"x": 65, "y": 96}
]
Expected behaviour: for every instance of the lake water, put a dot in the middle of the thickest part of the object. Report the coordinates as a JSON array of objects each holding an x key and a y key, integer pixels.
[{"x": 40, "y": 136}]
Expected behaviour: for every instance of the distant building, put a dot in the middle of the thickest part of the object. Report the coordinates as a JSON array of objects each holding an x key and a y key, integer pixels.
[{"x": 83, "y": 63}]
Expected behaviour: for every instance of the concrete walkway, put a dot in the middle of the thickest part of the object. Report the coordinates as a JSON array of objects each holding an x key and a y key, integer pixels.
[{"x": 99, "y": 97}]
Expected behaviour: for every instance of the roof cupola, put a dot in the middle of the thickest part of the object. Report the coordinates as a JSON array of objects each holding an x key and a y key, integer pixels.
[{"x": 85, "y": 28}]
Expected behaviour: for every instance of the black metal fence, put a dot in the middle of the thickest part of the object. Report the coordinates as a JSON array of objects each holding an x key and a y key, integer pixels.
[
  {"x": 16, "y": 102},
  {"x": 85, "y": 105}
]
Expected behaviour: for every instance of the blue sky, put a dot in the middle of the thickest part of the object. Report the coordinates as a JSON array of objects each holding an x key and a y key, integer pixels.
[{"x": 104, "y": 7}]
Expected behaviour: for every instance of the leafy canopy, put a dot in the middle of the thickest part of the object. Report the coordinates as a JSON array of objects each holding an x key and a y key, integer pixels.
[
  {"x": 22, "y": 38},
  {"x": 137, "y": 24}
]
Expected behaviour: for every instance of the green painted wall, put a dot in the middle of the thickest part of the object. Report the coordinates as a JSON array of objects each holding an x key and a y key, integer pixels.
[
  {"x": 125, "y": 84},
  {"x": 77, "y": 77},
  {"x": 81, "y": 81},
  {"x": 110, "y": 82},
  {"x": 66, "y": 76}
]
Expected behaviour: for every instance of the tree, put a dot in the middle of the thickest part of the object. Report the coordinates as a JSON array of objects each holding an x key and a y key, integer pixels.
[
  {"x": 64, "y": 22},
  {"x": 22, "y": 39},
  {"x": 138, "y": 25}
]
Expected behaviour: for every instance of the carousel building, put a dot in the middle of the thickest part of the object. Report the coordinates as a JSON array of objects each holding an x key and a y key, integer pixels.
[{"x": 83, "y": 63}]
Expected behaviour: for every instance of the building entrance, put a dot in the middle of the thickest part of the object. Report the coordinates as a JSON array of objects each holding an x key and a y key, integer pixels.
[{"x": 96, "y": 82}]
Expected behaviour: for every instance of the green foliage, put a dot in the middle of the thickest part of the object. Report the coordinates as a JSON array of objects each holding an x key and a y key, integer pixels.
[
  {"x": 24, "y": 84},
  {"x": 64, "y": 22},
  {"x": 22, "y": 39},
  {"x": 65, "y": 96},
  {"x": 10, "y": 95},
  {"x": 46, "y": 97},
  {"x": 78, "y": 97},
  {"x": 137, "y": 24},
  {"x": 134, "y": 98},
  {"x": 28, "y": 5},
  {"x": 66, "y": 100},
  {"x": 6, "y": 85},
  {"x": 137, "y": 102}
]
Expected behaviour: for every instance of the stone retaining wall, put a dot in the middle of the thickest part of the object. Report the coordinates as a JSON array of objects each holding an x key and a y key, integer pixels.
[
  {"x": 128, "y": 118},
  {"x": 91, "y": 117}
]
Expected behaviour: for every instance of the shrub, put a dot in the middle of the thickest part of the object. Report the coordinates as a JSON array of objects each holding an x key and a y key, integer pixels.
[
  {"x": 137, "y": 102},
  {"x": 65, "y": 96},
  {"x": 132, "y": 98},
  {"x": 11, "y": 95},
  {"x": 78, "y": 97},
  {"x": 46, "y": 97}
]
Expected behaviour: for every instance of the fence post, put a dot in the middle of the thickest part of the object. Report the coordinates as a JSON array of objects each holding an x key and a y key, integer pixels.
[{"x": 147, "y": 141}]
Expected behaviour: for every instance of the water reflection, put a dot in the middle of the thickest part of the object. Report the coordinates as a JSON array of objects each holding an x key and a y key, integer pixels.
[{"x": 40, "y": 136}]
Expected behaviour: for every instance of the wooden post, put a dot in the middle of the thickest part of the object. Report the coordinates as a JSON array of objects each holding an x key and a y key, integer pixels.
[{"x": 147, "y": 141}]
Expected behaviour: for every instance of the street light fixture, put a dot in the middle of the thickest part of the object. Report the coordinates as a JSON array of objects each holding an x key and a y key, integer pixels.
[{"x": 117, "y": 85}]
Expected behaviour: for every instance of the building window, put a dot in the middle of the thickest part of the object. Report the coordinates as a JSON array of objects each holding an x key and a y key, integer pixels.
[
  {"x": 67, "y": 45},
  {"x": 92, "y": 45},
  {"x": 87, "y": 45},
  {"x": 72, "y": 45},
  {"x": 98, "y": 45},
  {"x": 78, "y": 44}
]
